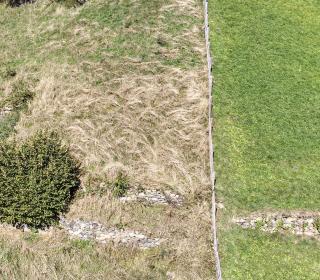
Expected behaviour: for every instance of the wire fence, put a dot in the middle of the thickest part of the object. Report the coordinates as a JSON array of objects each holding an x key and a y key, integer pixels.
[{"x": 211, "y": 146}]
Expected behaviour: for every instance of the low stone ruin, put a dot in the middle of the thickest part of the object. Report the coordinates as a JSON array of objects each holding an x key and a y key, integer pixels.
[
  {"x": 153, "y": 197},
  {"x": 88, "y": 230},
  {"x": 304, "y": 224}
]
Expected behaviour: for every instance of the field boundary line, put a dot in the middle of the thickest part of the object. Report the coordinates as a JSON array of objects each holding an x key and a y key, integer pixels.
[{"x": 211, "y": 145}]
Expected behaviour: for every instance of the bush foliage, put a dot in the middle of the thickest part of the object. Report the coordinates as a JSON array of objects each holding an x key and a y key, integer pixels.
[
  {"x": 15, "y": 3},
  {"x": 120, "y": 186},
  {"x": 67, "y": 3},
  {"x": 38, "y": 179}
]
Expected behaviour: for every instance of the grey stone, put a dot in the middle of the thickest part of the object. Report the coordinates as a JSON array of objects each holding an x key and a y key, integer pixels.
[
  {"x": 89, "y": 230},
  {"x": 153, "y": 197},
  {"x": 295, "y": 223}
]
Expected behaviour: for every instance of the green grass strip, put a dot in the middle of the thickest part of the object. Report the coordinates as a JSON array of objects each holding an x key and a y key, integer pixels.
[
  {"x": 267, "y": 120},
  {"x": 267, "y": 100}
]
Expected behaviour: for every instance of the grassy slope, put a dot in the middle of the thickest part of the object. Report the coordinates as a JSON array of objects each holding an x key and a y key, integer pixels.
[
  {"x": 267, "y": 136},
  {"x": 124, "y": 83}
]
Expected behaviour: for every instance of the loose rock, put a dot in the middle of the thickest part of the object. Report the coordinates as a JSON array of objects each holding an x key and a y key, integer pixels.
[
  {"x": 220, "y": 205},
  {"x": 295, "y": 223},
  {"x": 5, "y": 111}
]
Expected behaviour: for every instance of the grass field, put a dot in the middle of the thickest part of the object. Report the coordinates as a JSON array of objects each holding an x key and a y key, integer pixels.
[
  {"x": 124, "y": 83},
  {"x": 267, "y": 135}
]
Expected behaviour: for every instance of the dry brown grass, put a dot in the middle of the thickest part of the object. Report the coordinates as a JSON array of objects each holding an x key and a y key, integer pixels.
[
  {"x": 185, "y": 249},
  {"x": 123, "y": 113},
  {"x": 152, "y": 127},
  {"x": 53, "y": 256},
  {"x": 184, "y": 231}
]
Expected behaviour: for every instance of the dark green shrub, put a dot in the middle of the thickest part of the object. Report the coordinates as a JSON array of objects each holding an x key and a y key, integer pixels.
[
  {"x": 16, "y": 3},
  {"x": 120, "y": 186},
  {"x": 67, "y": 3},
  {"x": 38, "y": 179}
]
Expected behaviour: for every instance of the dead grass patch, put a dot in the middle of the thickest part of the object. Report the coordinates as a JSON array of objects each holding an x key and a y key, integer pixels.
[{"x": 150, "y": 126}]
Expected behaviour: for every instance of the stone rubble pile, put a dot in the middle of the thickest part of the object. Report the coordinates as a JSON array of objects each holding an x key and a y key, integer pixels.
[
  {"x": 153, "y": 197},
  {"x": 298, "y": 224},
  {"x": 88, "y": 230}
]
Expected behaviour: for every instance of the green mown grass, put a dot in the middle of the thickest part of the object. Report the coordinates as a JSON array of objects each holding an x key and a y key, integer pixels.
[
  {"x": 252, "y": 255},
  {"x": 120, "y": 22},
  {"x": 267, "y": 119},
  {"x": 267, "y": 102}
]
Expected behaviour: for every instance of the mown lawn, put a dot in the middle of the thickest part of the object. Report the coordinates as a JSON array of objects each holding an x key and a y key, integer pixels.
[
  {"x": 252, "y": 255},
  {"x": 267, "y": 120},
  {"x": 267, "y": 101}
]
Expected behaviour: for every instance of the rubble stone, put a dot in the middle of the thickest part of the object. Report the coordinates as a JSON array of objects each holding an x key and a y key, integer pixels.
[
  {"x": 88, "y": 230},
  {"x": 153, "y": 197},
  {"x": 298, "y": 224}
]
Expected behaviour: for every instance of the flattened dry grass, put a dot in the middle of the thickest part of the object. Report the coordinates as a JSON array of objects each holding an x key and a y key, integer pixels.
[
  {"x": 54, "y": 256},
  {"x": 184, "y": 231},
  {"x": 129, "y": 93},
  {"x": 147, "y": 126},
  {"x": 124, "y": 82}
]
